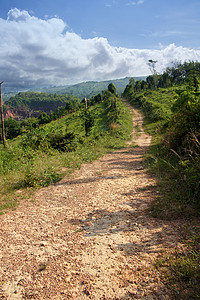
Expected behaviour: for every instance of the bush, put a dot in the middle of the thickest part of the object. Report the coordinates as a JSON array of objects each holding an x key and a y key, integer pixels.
[
  {"x": 185, "y": 121},
  {"x": 65, "y": 142},
  {"x": 36, "y": 139}
]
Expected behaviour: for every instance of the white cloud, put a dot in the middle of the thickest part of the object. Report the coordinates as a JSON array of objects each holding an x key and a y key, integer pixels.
[
  {"x": 139, "y": 2},
  {"x": 167, "y": 33},
  {"x": 42, "y": 52}
]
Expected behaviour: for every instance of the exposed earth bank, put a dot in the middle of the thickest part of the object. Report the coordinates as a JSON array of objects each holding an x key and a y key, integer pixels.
[{"x": 90, "y": 236}]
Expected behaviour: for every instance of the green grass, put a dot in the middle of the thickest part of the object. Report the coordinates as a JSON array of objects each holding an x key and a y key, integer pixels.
[
  {"x": 180, "y": 269},
  {"x": 156, "y": 105}
]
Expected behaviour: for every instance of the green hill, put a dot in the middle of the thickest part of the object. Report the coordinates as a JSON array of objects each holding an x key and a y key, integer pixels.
[{"x": 90, "y": 88}]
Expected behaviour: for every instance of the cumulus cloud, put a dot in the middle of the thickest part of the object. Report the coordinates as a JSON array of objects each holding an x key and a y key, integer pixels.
[{"x": 36, "y": 52}]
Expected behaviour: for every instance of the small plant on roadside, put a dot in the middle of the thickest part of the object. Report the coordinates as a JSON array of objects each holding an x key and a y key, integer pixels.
[{"x": 44, "y": 178}]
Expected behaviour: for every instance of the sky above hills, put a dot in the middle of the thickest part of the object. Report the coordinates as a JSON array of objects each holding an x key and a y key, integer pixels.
[{"x": 46, "y": 42}]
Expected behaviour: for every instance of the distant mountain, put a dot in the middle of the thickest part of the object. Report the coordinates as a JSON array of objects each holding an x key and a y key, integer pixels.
[{"x": 90, "y": 88}]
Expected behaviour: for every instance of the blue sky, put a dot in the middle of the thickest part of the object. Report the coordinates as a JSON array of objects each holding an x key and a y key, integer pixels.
[{"x": 94, "y": 39}]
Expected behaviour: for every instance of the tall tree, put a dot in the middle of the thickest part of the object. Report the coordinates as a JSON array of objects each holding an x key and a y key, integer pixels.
[
  {"x": 112, "y": 88},
  {"x": 152, "y": 66}
]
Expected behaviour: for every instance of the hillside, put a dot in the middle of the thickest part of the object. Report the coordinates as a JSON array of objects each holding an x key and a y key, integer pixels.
[{"x": 38, "y": 152}]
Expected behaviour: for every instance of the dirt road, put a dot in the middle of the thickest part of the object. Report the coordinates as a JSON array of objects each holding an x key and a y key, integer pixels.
[{"x": 89, "y": 236}]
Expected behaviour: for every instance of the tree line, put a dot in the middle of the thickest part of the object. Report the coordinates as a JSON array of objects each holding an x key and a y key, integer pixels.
[{"x": 179, "y": 74}]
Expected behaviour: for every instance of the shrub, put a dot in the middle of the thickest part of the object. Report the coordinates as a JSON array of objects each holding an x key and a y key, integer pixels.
[
  {"x": 35, "y": 139},
  {"x": 64, "y": 141}
]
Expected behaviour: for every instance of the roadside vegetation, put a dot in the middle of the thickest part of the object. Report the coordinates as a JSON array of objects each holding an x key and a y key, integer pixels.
[{"x": 171, "y": 106}]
